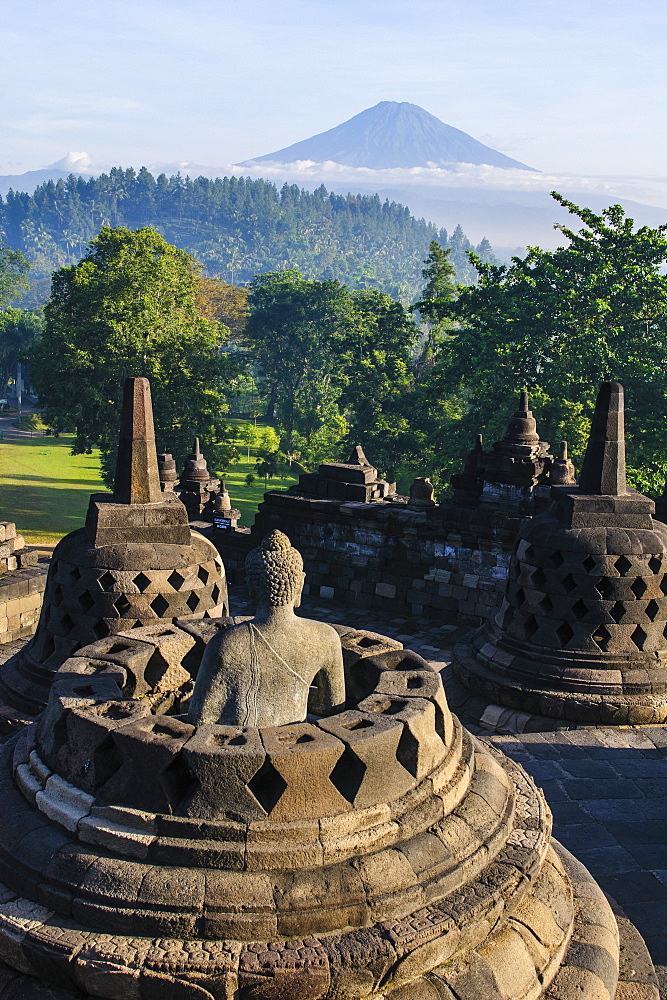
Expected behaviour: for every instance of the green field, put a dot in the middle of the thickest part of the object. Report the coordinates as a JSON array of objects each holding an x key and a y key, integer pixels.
[
  {"x": 246, "y": 498},
  {"x": 45, "y": 489}
]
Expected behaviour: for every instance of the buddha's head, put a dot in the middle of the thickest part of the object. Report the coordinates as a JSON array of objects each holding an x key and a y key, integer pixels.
[{"x": 274, "y": 572}]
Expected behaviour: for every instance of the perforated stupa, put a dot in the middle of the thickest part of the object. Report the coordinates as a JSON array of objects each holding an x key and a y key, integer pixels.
[
  {"x": 135, "y": 565},
  {"x": 581, "y": 636}
]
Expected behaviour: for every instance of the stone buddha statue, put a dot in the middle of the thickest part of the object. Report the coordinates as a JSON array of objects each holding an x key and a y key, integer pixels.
[{"x": 259, "y": 673}]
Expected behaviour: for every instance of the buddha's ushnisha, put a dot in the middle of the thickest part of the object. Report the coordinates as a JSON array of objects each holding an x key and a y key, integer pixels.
[{"x": 260, "y": 672}]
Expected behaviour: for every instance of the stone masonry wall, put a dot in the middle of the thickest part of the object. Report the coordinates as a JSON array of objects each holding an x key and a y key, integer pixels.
[
  {"x": 446, "y": 562},
  {"x": 22, "y": 583}
]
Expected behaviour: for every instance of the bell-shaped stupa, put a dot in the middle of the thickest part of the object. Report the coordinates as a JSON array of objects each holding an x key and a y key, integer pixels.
[
  {"x": 581, "y": 636},
  {"x": 514, "y": 475},
  {"x": 134, "y": 565},
  {"x": 369, "y": 849}
]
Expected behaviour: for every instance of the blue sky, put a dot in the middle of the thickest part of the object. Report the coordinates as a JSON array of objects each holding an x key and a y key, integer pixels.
[{"x": 576, "y": 87}]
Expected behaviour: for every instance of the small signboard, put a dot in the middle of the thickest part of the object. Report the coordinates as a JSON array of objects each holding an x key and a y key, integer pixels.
[{"x": 222, "y": 523}]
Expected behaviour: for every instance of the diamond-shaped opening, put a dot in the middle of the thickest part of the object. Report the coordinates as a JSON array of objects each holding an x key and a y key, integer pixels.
[
  {"x": 138, "y": 624},
  {"x": 66, "y": 624},
  {"x": 177, "y": 782},
  {"x": 57, "y": 595},
  {"x": 215, "y": 594},
  {"x": 348, "y": 774},
  {"x": 520, "y": 597},
  {"x": 564, "y": 633},
  {"x": 193, "y": 602},
  {"x": 407, "y": 751},
  {"x": 530, "y": 627},
  {"x": 605, "y": 588},
  {"x": 107, "y": 581},
  {"x": 141, "y": 582},
  {"x": 546, "y": 604},
  {"x": 623, "y": 565},
  {"x": 530, "y": 551},
  {"x": 159, "y": 605},
  {"x": 86, "y": 601},
  {"x": 75, "y": 574},
  {"x": 579, "y": 610},
  {"x": 122, "y": 606},
  {"x": 652, "y": 610},
  {"x": 655, "y": 564},
  {"x": 515, "y": 570},
  {"x": 617, "y": 611},
  {"x": 267, "y": 786},
  {"x": 175, "y": 580},
  {"x": 106, "y": 761},
  {"x": 589, "y": 564},
  {"x": 601, "y": 638},
  {"x": 639, "y": 637},
  {"x": 100, "y": 629},
  {"x": 663, "y": 585},
  {"x": 538, "y": 579},
  {"x": 556, "y": 559},
  {"x": 203, "y": 575},
  {"x": 639, "y": 587},
  {"x": 569, "y": 584}
]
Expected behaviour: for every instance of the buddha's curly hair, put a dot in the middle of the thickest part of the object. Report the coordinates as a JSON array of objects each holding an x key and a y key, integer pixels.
[{"x": 274, "y": 570}]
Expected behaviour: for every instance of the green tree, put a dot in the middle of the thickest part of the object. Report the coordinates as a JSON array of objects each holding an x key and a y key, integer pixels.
[
  {"x": 294, "y": 331},
  {"x": 249, "y": 436},
  {"x": 560, "y": 322},
  {"x": 13, "y": 274},
  {"x": 378, "y": 374},
  {"x": 130, "y": 308},
  {"x": 20, "y": 329}
]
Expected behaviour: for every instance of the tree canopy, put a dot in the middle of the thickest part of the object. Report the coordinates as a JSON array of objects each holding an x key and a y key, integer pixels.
[
  {"x": 235, "y": 226},
  {"x": 129, "y": 307},
  {"x": 558, "y": 323}
]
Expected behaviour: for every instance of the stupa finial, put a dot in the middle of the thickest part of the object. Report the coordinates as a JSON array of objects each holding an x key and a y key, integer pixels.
[
  {"x": 137, "y": 480},
  {"x": 603, "y": 470},
  {"x": 522, "y": 426}
]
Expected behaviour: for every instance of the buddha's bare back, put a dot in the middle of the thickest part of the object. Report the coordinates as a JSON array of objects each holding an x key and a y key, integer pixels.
[{"x": 261, "y": 674}]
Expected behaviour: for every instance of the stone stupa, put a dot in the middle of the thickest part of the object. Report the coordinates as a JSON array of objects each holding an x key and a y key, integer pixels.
[
  {"x": 581, "y": 636},
  {"x": 514, "y": 475},
  {"x": 136, "y": 564},
  {"x": 377, "y": 851}
]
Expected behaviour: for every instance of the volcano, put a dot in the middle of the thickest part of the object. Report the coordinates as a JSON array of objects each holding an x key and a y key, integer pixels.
[{"x": 392, "y": 134}]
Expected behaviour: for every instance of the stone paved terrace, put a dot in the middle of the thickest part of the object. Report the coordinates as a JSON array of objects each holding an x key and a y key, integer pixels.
[{"x": 607, "y": 788}]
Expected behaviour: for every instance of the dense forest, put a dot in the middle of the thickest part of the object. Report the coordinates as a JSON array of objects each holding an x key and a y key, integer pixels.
[{"x": 235, "y": 226}]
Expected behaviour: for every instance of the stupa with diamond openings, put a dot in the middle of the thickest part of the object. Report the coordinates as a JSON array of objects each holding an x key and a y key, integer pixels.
[
  {"x": 581, "y": 636},
  {"x": 135, "y": 565}
]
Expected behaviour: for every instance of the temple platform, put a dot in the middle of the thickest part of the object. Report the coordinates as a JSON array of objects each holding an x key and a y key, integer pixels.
[{"x": 606, "y": 786}]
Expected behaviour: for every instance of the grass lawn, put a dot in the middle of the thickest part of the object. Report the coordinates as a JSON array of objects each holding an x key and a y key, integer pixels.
[
  {"x": 43, "y": 488},
  {"x": 246, "y": 498}
]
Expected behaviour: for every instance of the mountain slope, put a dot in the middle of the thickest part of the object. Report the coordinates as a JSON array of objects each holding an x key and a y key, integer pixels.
[{"x": 389, "y": 135}]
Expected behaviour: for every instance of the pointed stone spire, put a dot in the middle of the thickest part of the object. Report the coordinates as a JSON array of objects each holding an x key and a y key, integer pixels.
[
  {"x": 603, "y": 471},
  {"x": 137, "y": 480},
  {"x": 357, "y": 456}
]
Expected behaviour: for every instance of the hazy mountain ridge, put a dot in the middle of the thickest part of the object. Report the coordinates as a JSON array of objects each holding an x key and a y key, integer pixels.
[{"x": 391, "y": 134}]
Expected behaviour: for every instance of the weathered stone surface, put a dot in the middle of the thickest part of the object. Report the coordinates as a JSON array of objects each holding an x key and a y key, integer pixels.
[
  {"x": 260, "y": 672},
  {"x": 135, "y": 563},
  {"x": 581, "y": 633}
]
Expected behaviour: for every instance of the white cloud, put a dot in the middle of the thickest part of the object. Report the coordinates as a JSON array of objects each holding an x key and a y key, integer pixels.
[
  {"x": 650, "y": 190},
  {"x": 78, "y": 163}
]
